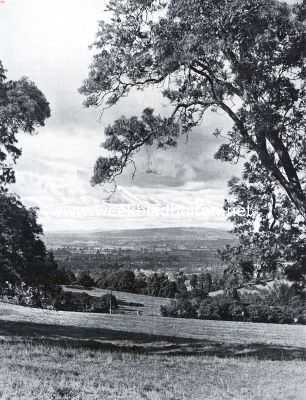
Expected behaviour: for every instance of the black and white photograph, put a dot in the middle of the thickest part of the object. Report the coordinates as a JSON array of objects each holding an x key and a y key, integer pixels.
[{"x": 152, "y": 199}]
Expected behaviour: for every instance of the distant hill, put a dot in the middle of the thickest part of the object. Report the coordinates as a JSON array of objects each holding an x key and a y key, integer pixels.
[{"x": 141, "y": 237}]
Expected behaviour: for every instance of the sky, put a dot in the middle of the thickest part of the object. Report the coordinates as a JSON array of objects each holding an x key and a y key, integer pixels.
[{"x": 48, "y": 41}]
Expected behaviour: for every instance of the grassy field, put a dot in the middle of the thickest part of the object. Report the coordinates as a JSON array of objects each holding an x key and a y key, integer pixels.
[
  {"x": 129, "y": 303},
  {"x": 67, "y": 355},
  {"x": 158, "y": 334},
  {"x": 40, "y": 371}
]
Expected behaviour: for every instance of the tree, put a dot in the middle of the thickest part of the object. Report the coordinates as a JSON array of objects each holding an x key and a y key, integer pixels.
[
  {"x": 168, "y": 289},
  {"x": 107, "y": 303},
  {"x": 23, "y": 255},
  {"x": 270, "y": 230},
  {"x": 155, "y": 284},
  {"x": 23, "y": 107},
  {"x": 246, "y": 59},
  {"x": 194, "y": 281},
  {"x": 181, "y": 285},
  {"x": 205, "y": 283},
  {"x": 85, "y": 279},
  {"x": 126, "y": 281}
]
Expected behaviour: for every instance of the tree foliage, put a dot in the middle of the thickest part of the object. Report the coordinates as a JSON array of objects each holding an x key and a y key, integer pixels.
[
  {"x": 23, "y": 107},
  {"x": 270, "y": 230},
  {"x": 246, "y": 59},
  {"x": 23, "y": 255}
]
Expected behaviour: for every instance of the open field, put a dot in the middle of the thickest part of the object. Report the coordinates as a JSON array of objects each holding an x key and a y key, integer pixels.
[
  {"x": 40, "y": 371},
  {"x": 155, "y": 334},
  {"x": 49, "y": 355},
  {"x": 129, "y": 303}
]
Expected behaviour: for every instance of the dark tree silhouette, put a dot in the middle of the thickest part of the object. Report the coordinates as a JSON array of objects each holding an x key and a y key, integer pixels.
[
  {"x": 23, "y": 107},
  {"x": 23, "y": 255}
]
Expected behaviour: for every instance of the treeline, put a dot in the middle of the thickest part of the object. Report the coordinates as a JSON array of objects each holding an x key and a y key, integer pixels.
[
  {"x": 282, "y": 303},
  {"x": 151, "y": 260},
  {"x": 154, "y": 284},
  {"x": 53, "y": 297}
]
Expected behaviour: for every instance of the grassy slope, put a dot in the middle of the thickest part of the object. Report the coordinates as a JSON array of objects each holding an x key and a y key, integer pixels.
[
  {"x": 44, "y": 372},
  {"x": 99, "y": 326},
  {"x": 150, "y": 305},
  {"x": 50, "y": 355}
]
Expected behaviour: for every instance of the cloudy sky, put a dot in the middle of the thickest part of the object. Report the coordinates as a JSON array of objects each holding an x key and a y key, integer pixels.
[{"x": 48, "y": 41}]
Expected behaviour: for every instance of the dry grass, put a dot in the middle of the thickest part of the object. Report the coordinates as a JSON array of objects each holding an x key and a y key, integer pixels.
[
  {"x": 99, "y": 326},
  {"x": 43, "y": 372},
  {"x": 48, "y": 355}
]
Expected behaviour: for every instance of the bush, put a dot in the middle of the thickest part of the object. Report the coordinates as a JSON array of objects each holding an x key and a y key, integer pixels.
[
  {"x": 185, "y": 309},
  {"x": 236, "y": 311},
  {"x": 85, "y": 280},
  {"x": 270, "y": 314},
  {"x": 169, "y": 310},
  {"x": 281, "y": 304},
  {"x": 221, "y": 307},
  {"x": 104, "y": 304},
  {"x": 82, "y": 302},
  {"x": 181, "y": 308},
  {"x": 280, "y": 315},
  {"x": 209, "y": 309},
  {"x": 257, "y": 313}
]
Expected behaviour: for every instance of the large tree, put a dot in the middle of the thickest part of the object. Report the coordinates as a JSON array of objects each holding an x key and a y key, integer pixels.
[
  {"x": 23, "y": 107},
  {"x": 245, "y": 58},
  {"x": 23, "y": 255},
  {"x": 271, "y": 233}
]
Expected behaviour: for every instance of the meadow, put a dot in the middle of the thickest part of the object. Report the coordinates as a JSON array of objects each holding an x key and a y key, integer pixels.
[
  {"x": 129, "y": 303},
  {"x": 76, "y": 356},
  {"x": 42, "y": 371}
]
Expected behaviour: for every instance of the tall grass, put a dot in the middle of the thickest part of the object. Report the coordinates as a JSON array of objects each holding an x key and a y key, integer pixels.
[{"x": 44, "y": 372}]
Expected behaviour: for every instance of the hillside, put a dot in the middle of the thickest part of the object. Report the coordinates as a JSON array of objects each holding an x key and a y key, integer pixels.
[
  {"x": 141, "y": 237},
  {"x": 67, "y": 355},
  {"x": 188, "y": 249},
  {"x": 38, "y": 369},
  {"x": 167, "y": 334}
]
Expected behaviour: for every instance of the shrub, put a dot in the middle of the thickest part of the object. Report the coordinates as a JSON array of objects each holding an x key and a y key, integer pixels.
[
  {"x": 209, "y": 309},
  {"x": 180, "y": 308},
  {"x": 85, "y": 280},
  {"x": 280, "y": 294},
  {"x": 169, "y": 310},
  {"x": 271, "y": 314},
  {"x": 280, "y": 315},
  {"x": 185, "y": 309},
  {"x": 257, "y": 313},
  {"x": 281, "y": 303},
  {"x": 198, "y": 293},
  {"x": 236, "y": 311},
  {"x": 104, "y": 303}
]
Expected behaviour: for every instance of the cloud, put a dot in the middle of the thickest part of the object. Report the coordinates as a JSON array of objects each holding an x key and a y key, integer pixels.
[
  {"x": 48, "y": 41},
  {"x": 191, "y": 161}
]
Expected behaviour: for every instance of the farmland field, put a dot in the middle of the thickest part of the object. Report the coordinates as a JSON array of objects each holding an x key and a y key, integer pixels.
[
  {"x": 39, "y": 370},
  {"x": 68, "y": 355},
  {"x": 155, "y": 334},
  {"x": 129, "y": 303}
]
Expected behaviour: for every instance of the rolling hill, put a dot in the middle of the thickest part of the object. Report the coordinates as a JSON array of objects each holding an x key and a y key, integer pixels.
[{"x": 187, "y": 237}]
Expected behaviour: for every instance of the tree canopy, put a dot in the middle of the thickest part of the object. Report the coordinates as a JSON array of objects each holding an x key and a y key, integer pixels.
[
  {"x": 23, "y": 255},
  {"x": 270, "y": 230},
  {"x": 245, "y": 58},
  {"x": 23, "y": 107}
]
